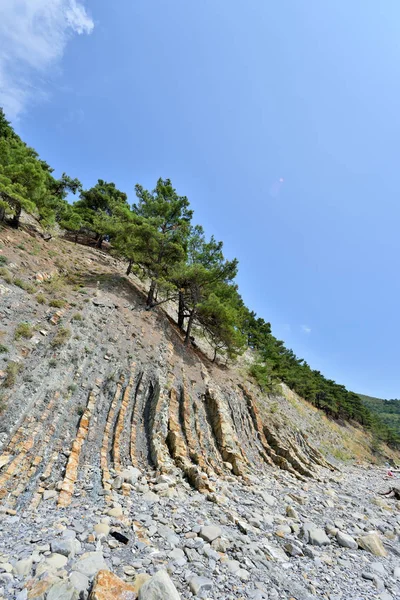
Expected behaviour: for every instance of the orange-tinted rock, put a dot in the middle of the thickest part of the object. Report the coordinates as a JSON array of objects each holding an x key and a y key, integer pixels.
[{"x": 108, "y": 586}]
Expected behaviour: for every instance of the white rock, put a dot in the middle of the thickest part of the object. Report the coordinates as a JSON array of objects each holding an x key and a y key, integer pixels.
[
  {"x": 210, "y": 532},
  {"x": 159, "y": 587},
  {"x": 198, "y": 585},
  {"x": 346, "y": 541},
  {"x": 90, "y": 564},
  {"x": 23, "y": 567}
]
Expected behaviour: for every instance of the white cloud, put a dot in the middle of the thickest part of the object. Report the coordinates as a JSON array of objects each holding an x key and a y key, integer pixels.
[
  {"x": 306, "y": 329},
  {"x": 33, "y": 37}
]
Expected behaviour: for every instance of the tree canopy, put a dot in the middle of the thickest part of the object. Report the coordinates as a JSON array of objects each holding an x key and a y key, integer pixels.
[{"x": 173, "y": 256}]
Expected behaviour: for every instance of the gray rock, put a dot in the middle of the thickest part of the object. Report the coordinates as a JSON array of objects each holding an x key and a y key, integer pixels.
[
  {"x": 67, "y": 547},
  {"x": 210, "y": 532},
  {"x": 90, "y": 563},
  {"x": 198, "y": 585},
  {"x": 293, "y": 549},
  {"x": 378, "y": 567},
  {"x": 117, "y": 483},
  {"x": 79, "y": 581},
  {"x": 314, "y": 535},
  {"x": 159, "y": 587},
  {"x": 49, "y": 494},
  {"x": 346, "y": 541},
  {"x": 23, "y": 567},
  {"x": 62, "y": 590}
]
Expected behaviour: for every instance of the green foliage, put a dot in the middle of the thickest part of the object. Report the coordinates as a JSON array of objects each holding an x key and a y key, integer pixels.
[
  {"x": 157, "y": 239},
  {"x": 3, "y": 349},
  {"x": 12, "y": 370},
  {"x": 26, "y": 181},
  {"x": 41, "y": 298},
  {"x": 3, "y": 260},
  {"x": 6, "y": 275},
  {"x": 386, "y": 415},
  {"x": 77, "y": 317},
  {"x": 61, "y": 337},
  {"x": 23, "y": 330},
  {"x": 57, "y": 303}
]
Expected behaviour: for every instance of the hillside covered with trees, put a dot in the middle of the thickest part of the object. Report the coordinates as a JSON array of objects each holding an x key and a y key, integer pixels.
[{"x": 160, "y": 243}]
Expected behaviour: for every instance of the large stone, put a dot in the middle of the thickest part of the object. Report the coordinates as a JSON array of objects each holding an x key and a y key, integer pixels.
[
  {"x": 210, "y": 532},
  {"x": 63, "y": 590},
  {"x": 116, "y": 512},
  {"x": 159, "y": 587},
  {"x": 23, "y": 567},
  {"x": 372, "y": 543},
  {"x": 108, "y": 586},
  {"x": 90, "y": 564},
  {"x": 314, "y": 535},
  {"x": 318, "y": 537},
  {"x": 67, "y": 547},
  {"x": 79, "y": 581},
  {"x": 130, "y": 475},
  {"x": 268, "y": 499},
  {"x": 346, "y": 541},
  {"x": 140, "y": 580},
  {"x": 102, "y": 529},
  {"x": 198, "y": 585}
]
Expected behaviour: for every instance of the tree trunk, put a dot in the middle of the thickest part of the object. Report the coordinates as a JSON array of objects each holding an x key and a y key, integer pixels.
[
  {"x": 215, "y": 355},
  {"x": 76, "y": 238},
  {"x": 189, "y": 327},
  {"x": 181, "y": 310},
  {"x": 15, "y": 219},
  {"x": 99, "y": 241},
  {"x": 2, "y": 213},
  {"x": 129, "y": 269},
  {"x": 150, "y": 295}
]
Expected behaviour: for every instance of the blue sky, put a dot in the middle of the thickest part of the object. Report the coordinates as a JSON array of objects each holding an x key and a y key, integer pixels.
[{"x": 227, "y": 98}]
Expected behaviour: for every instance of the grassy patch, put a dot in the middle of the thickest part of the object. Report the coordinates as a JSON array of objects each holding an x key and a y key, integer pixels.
[
  {"x": 3, "y": 349},
  {"x": 12, "y": 370},
  {"x": 24, "y": 285},
  {"x": 57, "y": 303},
  {"x": 6, "y": 275},
  {"x": 23, "y": 330},
  {"x": 62, "y": 336},
  {"x": 3, "y": 260},
  {"x": 41, "y": 299},
  {"x": 77, "y": 317}
]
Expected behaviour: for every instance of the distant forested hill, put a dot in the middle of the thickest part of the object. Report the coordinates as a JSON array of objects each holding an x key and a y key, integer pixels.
[{"x": 387, "y": 410}]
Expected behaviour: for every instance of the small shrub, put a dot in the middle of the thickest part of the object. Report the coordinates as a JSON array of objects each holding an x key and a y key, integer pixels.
[
  {"x": 57, "y": 303},
  {"x": 61, "y": 337},
  {"x": 52, "y": 363},
  {"x": 41, "y": 299},
  {"x": 80, "y": 410},
  {"x": 12, "y": 370},
  {"x": 6, "y": 275},
  {"x": 51, "y": 253},
  {"x": 77, "y": 317},
  {"x": 72, "y": 388},
  {"x": 3, "y": 260},
  {"x": 24, "y": 285},
  {"x": 23, "y": 330},
  {"x": 86, "y": 300},
  {"x": 3, "y": 404},
  {"x": 3, "y": 349},
  {"x": 21, "y": 247}
]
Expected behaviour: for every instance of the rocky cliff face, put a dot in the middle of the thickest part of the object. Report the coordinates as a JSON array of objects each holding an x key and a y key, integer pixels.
[{"x": 111, "y": 427}]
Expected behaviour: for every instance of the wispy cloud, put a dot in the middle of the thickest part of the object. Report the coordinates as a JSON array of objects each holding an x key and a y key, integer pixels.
[
  {"x": 33, "y": 37},
  {"x": 306, "y": 329}
]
